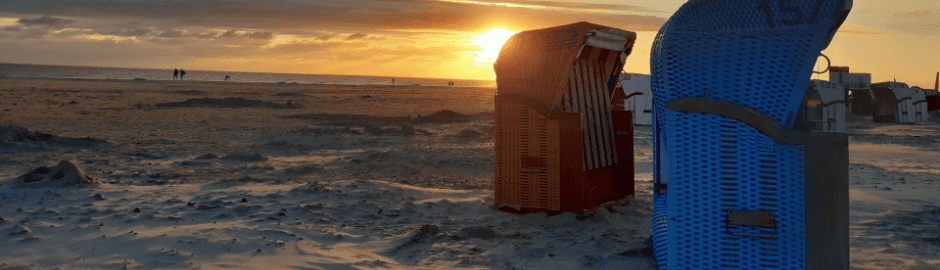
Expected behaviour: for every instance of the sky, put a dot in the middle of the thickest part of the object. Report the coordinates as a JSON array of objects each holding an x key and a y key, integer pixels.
[{"x": 892, "y": 39}]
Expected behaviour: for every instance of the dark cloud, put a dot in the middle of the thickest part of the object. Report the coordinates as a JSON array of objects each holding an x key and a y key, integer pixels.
[
  {"x": 259, "y": 35},
  {"x": 356, "y": 36},
  {"x": 46, "y": 20},
  {"x": 255, "y": 35},
  {"x": 326, "y": 36},
  {"x": 912, "y": 13}
]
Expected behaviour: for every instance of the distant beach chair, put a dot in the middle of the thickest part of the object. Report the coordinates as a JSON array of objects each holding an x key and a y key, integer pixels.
[
  {"x": 885, "y": 103},
  {"x": 933, "y": 100},
  {"x": 734, "y": 187},
  {"x": 637, "y": 97},
  {"x": 919, "y": 104},
  {"x": 823, "y": 108},
  {"x": 560, "y": 146},
  {"x": 895, "y": 102}
]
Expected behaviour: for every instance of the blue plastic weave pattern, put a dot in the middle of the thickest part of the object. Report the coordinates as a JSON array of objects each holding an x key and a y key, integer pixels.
[{"x": 758, "y": 54}]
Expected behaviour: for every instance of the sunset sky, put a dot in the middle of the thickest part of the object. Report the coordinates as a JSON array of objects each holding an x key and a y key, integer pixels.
[{"x": 409, "y": 38}]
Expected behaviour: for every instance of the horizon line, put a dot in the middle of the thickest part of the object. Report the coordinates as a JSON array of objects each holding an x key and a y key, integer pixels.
[{"x": 255, "y": 72}]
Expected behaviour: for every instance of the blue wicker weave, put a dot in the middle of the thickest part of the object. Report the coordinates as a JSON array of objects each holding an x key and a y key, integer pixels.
[{"x": 759, "y": 54}]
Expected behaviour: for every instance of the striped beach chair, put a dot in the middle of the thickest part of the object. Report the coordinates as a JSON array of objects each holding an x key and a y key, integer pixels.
[
  {"x": 560, "y": 145},
  {"x": 735, "y": 186}
]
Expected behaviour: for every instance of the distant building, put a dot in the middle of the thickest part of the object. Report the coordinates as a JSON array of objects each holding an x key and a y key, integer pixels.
[{"x": 858, "y": 92}]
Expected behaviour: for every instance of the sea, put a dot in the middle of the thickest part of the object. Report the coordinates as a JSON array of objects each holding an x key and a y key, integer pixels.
[{"x": 79, "y": 72}]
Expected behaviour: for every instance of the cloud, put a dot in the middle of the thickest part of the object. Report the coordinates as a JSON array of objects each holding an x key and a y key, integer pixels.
[
  {"x": 173, "y": 33},
  {"x": 70, "y": 31},
  {"x": 259, "y": 35},
  {"x": 857, "y": 32},
  {"x": 108, "y": 38},
  {"x": 206, "y": 35},
  {"x": 356, "y": 36},
  {"x": 306, "y": 47},
  {"x": 46, "y": 20},
  {"x": 228, "y": 34},
  {"x": 365, "y": 51},
  {"x": 246, "y": 34},
  {"x": 137, "y": 32},
  {"x": 855, "y": 29},
  {"x": 912, "y": 13}
]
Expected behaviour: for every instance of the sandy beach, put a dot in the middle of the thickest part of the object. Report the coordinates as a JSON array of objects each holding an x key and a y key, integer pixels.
[{"x": 231, "y": 175}]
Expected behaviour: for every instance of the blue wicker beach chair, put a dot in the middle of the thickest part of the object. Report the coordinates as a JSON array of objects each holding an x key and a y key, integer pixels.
[{"x": 735, "y": 186}]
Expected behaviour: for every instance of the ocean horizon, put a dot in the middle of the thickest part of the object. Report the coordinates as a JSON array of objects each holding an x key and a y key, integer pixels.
[{"x": 116, "y": 73}]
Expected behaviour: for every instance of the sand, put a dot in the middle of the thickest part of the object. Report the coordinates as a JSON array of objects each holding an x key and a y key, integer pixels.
[{"x": 220, "y": 175}]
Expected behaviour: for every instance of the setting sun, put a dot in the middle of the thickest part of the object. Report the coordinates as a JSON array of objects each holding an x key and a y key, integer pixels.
[{"x": 491, "y": 42}]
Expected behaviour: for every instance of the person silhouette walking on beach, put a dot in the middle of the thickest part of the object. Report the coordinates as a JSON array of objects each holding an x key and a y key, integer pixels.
[
  {"x": 175, "y": 73},
  {"x": 226, "y": 77},
  {"x": 182, "y": 73},
  {"x": 393, "y": 81}
]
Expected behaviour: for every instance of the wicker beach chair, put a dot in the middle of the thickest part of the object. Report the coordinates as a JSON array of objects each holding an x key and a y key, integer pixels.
[
  {"x": 735, "y": 187},
  {"x": 560, "y": 146}
]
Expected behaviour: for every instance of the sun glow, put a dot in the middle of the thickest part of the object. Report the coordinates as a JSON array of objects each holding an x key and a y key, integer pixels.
[{"x": 491, "y": 42}]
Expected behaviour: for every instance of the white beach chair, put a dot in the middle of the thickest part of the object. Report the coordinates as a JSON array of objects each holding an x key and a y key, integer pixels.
[{"x": 637, "y": 97}]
